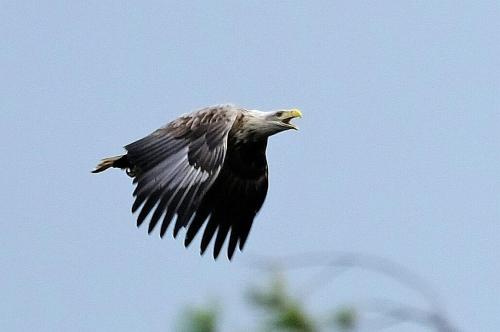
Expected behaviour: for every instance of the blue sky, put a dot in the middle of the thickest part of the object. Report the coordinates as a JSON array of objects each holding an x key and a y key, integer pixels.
[{"x": 398, "y": 152}]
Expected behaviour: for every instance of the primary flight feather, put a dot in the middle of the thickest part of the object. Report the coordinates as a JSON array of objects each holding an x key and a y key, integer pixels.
[{"x": 208, "y": 167}]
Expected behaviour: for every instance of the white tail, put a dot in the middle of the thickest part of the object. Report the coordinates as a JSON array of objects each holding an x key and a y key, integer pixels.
[{"x": 105, "y": 164}]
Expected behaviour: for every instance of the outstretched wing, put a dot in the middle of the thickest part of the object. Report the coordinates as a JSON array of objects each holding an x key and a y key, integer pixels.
[
  {"x": 233, "y": 201},
  {"x": 176, "y": 165}
]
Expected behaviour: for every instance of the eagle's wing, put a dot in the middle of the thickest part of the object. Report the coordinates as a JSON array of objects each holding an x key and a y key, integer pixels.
[
  {"x": 176, "y": 165},
  {"x": 235, "y": 198}
]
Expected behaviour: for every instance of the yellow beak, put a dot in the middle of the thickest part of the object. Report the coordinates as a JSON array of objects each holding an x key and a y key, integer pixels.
[
  {"x": 295, "y": 112},
  {"x": 288, "y": 115}
]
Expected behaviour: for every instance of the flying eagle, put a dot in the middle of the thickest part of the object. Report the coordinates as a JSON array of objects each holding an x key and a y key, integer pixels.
[{"x": 208, "y": 166}]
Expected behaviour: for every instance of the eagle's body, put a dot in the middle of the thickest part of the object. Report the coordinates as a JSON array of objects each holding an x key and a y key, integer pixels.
[{"x": 209, "y": 166}]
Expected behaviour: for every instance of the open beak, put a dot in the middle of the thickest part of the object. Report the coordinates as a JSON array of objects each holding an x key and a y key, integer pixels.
[{"x": 289, "y": 115}]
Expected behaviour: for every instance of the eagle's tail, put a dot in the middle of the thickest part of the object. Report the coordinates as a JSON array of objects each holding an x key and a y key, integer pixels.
[{"x": 117, "y": 161}]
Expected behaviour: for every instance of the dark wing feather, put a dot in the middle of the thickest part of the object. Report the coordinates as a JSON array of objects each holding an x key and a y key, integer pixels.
[
  {"x": 176, "y": 165},
  {"x": 234, "y": 199}
]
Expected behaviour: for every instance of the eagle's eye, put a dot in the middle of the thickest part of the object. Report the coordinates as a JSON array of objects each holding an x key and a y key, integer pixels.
[{"x": 279, "y": 114}]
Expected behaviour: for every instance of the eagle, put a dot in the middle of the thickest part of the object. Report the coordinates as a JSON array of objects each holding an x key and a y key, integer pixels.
[{"x": 207, "y": 167}]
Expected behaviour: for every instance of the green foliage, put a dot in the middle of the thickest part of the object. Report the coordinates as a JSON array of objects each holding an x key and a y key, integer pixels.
[
  {"x": 199, "y": 320},
  {"x": 284, "y": 313}
]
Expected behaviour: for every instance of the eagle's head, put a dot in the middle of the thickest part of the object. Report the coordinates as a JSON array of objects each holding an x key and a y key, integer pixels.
[
  {"x": 263, "y": 124},
  {"x": 281, "y": 119}
]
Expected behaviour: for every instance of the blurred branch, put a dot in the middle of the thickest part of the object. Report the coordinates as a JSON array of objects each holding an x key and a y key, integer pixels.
[
  {"x": 392, "y": 313},
  {"x": 342, "y": 261}
]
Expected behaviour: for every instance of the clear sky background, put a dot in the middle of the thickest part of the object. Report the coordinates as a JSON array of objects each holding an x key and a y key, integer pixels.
[{"x": 398, "y": 153}]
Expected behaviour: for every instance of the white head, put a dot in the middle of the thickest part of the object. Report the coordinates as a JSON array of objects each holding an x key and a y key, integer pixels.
[{"x": 264, "y": 124}]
